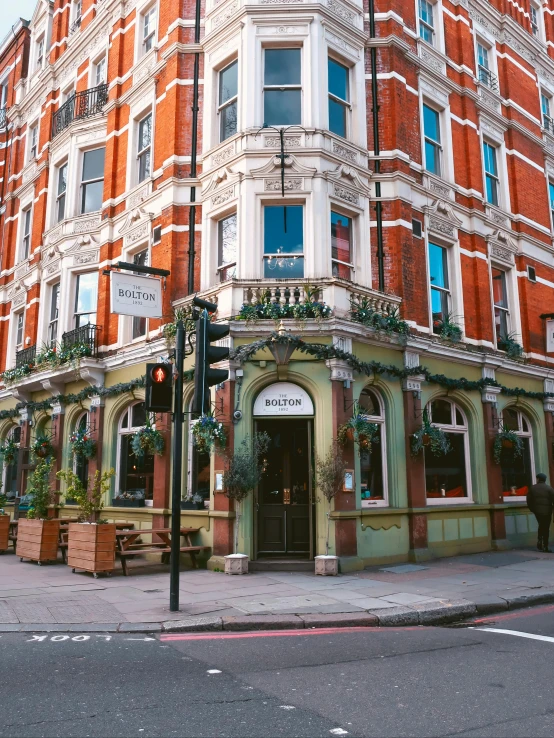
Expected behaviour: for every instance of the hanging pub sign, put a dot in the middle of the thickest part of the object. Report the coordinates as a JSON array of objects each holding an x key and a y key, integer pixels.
[
  {"x": 550, "y": 336},
  {"x": 134, "y": 295},
  {"x": 283, "y": 398}
]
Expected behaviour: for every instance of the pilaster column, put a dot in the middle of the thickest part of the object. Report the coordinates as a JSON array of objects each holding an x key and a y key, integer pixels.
[
  {"x": 96, "y": 432},
  {"x": 162, "y": 471},
  {"x": 58, "y": 427},
  {"x": 489, "y": 396},
  {"x": 549, "y": 422},
  {"x": 342, "y": 378},
  {"x": 23, "y": 458},
  {"x": 223, "y": 540}
]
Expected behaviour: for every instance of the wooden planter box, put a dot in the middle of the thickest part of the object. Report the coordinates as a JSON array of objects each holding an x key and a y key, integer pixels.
[
  {"x": 37, "y": 540},
  {"x": 192, "y": 505},
  {"x": 127, "y": 503},
  {"x": 4, "y": 531},
  {"x": 91, "y": 547}
]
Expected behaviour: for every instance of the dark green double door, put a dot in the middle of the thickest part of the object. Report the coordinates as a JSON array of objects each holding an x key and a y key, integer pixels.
[{"x": 284, "y": 502}]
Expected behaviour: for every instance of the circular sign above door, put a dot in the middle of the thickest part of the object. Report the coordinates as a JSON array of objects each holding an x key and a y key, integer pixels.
[{"x": 283, "y": 398}]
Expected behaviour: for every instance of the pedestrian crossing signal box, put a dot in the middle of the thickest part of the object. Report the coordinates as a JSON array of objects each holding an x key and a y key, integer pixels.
[{"x": 159, "y": 388}]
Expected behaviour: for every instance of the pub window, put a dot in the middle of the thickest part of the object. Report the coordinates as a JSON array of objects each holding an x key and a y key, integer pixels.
[
  {"x": 86, "y": 296},
  {"x": 501, "y": 306},
  {"x": 447, "y": 477},
  {"x": 11, "y": 470},
  {"x": 517, "y": 471},
  {"x": 80, "y": 463},
  {"x": 135, "y": 474},
  {"x": 283, "y": 241},
  {"x": 227, "y": 247},
  {"x": 439, "y": 285},
  {"x": 373, "y": 475}
]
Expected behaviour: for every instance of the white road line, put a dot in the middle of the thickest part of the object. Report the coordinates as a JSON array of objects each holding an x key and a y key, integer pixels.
[
  {"x": 518, "y": 633},
  {"x": 214, "y": 671}
]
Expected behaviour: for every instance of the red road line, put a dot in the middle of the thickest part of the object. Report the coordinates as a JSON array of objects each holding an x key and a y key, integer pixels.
[
  {"x": 276, "y": 633},
  {"x": 516, "y": 614}
]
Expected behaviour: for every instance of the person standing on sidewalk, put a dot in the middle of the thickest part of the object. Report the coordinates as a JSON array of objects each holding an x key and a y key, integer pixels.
[{"x": 540, "y": 500}]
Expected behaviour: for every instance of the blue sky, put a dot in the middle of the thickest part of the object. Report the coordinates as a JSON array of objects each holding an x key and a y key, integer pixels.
[{"x": 12, "y": 11}]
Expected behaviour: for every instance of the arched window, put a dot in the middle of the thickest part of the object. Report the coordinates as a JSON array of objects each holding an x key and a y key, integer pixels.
[
  {"x": 80, "y": 463},
  {"x": 448, "y": 477},
  {"x": 11, "y": 470},
  {"x": 373, "y": 466},
  {"x": 518, "y": 472},
  {"x": 135, "y": 475},
  {"x": 198, "y": 482}
]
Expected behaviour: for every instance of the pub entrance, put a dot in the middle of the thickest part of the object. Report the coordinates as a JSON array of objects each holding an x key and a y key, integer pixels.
[{"x": 284, "y": 498}]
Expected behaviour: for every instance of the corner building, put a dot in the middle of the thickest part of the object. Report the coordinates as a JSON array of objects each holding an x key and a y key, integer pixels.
[{"x": 380, "y": 178}]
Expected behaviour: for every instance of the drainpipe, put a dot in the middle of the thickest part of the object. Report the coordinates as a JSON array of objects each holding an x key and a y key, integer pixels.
[
  {"x": 376, "y": 148},
  {"x": 194, "y": 138}
]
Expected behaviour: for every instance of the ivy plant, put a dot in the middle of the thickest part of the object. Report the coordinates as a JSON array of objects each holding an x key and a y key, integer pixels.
[
  {"x": 512, "y": 348},
  {"x": 362, "y": 311},
  {"x": 448, "y": 329}
]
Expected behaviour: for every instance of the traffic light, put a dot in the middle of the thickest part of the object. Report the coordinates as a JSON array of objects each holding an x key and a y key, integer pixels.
[
  {"x": 159, "y": 388},
  {"x": 206, "y": 354}
]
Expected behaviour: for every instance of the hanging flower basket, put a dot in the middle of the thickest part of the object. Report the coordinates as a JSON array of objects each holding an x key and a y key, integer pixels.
[
  {"x": 509, "y": 440},
  {"x": 42, "y": 447},
  {"x": 360, "y": 430},
  {"x": 82, "y": 444},
  {"x": 207, "y": 432},
  {"x": 431, "y": 437},
  {"x": 148, "y": 440},
  {"x": 9, "y": 452}
]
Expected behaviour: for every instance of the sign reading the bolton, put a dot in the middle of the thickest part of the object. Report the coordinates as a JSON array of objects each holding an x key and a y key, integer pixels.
[
  {"x": 283, "y": 398},
  {"x": 134, "y": 295}
]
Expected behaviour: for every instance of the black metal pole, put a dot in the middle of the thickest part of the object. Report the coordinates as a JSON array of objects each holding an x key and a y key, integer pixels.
[
  {"x": 194, "y": 137},
  {"x": 376, "y": 148},
  {"x": 178, "y": 417}
]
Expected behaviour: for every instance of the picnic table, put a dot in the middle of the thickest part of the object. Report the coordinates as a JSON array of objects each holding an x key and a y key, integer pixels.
[{"x": 126, "y": 544}]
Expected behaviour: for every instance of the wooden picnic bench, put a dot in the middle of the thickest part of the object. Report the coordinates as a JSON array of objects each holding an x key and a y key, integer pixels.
[{"x": 126, "y": 544}]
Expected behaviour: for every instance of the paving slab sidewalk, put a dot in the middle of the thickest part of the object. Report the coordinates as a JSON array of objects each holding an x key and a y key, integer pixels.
[{"x": 52, "y": 598}]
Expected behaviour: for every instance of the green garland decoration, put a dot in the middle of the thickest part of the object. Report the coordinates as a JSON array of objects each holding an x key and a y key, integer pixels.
[{"x": 324, "y": 352}]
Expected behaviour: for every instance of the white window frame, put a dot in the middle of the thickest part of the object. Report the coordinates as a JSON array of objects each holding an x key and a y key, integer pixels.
[
  {"x": 346, "y": 104},
  {"x": 431, "y": 241},
  {"x": 536, "y": 21},
  {"x": 33, "y": 151},
  {"x": 72, "y": 313},
  {"x": 40, "y": 48},
  {"x": 7, "y": 467},
  {"x": 4, "y": 93},
  {"x": 299, "y": 86},
  {"x": 551, "y": 201},
  {"x": 141, "y": 152},
  {"x": 24, "y": 234},
  {"x": 458, "y": 429},
  {"x": 83, "y": 183},
  {"x": 508, "y": 310},
  {"x": 338, "y": 210},
  {"x": 498, "y": 151},
  {"x": 52, "y": 341},
  {"x": 486, "y": 74},
  {"x": 437, "y": 144},
  {"x": 130, "y": 430},
  {"x": 380, "y": 420},
  {"x": 148, "y": 28},
  {"x": 423, "y": 25},
  {"x": 76, "y": 15},
  {"x": 101, "y": 63},
  {"x": 229, "y": 101},
  {"x": 18, "y": 346},
  {"x": 524, "y": 434},
  {"x": 57, "y": 195},
  {"x": 546, "y": 110},
  {"x": 221, "y": 267}
]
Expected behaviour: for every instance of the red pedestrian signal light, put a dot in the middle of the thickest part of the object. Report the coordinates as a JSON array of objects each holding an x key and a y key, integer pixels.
[{"x": 159, "y": 388}]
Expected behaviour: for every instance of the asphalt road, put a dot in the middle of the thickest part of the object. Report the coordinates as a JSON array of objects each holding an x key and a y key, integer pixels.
[{"x": 358, "y": 682}]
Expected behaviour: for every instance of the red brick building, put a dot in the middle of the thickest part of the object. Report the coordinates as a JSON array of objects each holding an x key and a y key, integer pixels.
[{"x": 408, "y": 225}]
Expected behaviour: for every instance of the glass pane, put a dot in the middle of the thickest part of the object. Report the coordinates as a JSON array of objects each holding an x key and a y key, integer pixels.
[
  {"x": 441, "y": 412},
  {"x": 283, "y": 229},
  {"x": 439, "y": 308},
  {"x": 144, "y": 165},
  {"x": 284, "y": 268},
  {"x": 426, "y": 33},
  {"x": 338, "y": 79},
  {"x": 501, "y": 323},
  {"x": 369, "y": 404},
  {"x": 341, "y": 237},
  {"x": 125, "y": 421},
  {"x": 525, "y": 425},
  {"x": 282, "y": 67},
  {"x": 139, "y": 327},
  {"x": 54, "y": 301},
  {"x": 87, "y": 285},
  {"x": 432, "y": 158},
  {"x": 459, "y": 417},
  {"x": 337, "y": 118},
  {"x": 489, "y": 153},
  {"x": 282, "y": 107},
  {"x": 62, "y": 179},
  {"x": 545, "y": 105},
  {"x": 228, "y": 121},
  {"x": 141, "y": 259},
  {"x": 516, "y": 471},
  {"x": 438, "y": 272},
  {"x": 431, "y": 123},
  {"x": 145, "y": 132},
  {"x": 60, "y": 213},
  {"x": 137, "y": 474},
  {"x": 483, "y": 56},
  {"x": 510, "y": 419},
  {"x": 93, "y": 164},
  {"x": 492, "y": 190},
  {"x": 92, "y": 196},
  {"x": 499, "y": 287},
  {"x": 551, "y": 190},
  {"x": 426, "y": 12},
  {"x": 200, "y": 481},
  {"x": 371, "y": 471},
  {"x": 445, "y": 476},
  {"x": 138, "y": 415},
  {"x": 227, "y": 240},
  {"x": 228, "y": 82}
]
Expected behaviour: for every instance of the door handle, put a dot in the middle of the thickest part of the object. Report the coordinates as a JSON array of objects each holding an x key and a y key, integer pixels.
[{"x": 286, "y": 496}]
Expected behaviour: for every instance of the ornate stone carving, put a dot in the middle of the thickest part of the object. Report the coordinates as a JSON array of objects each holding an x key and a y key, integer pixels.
[
  {"x": 489, "y": 394},
  {"x": 279, "y": 2},
  {"x": 340, "y": 370},
  {"x": 500, "y": 253},
  {"x": 428, "y": 58},
  {"x": 340, "y": 10},
  {"x": 344, "y": 152},
  {"x": 19, "y": 298},
  {"x": 346, "y": 194},
  {"x": 441, "y": 226},
  {"x": 274, "y": 185},
  {"x": 21, "y": 270},
  {"x": 224, "y": 15},
  {"x": 432, "y": 91},
  {"x": 222, "y": 156},
  {"x": 222, "y": 197},
  {"x": 87, "y": 257},
  {"x": 143, "y": 231},
  {"x": 89, "y": 224},
  {"x": 137, "y": 198},
  {"x": 341, "y": 43},
  {"x": 411, "y": 359},
  {"x": 54, "y": 235},
  {"x": 274, "y": 142},
  {"x": 53, "y": 267},
  {"x": 441, "y": 189},
  {"x": 489, "y": 100}
]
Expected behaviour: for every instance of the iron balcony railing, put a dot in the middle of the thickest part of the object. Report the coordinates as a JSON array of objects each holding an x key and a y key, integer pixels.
[
  {"x": 75, "y": 25},
  {"x": 487, "y": 78},
  {"x": 3, "y": 117},
  {"x": 26, "y": 357},
  {"x": 80, "y": 105},
  {"x": 85, "y": 339},
  {"x": 547, "y": 123}
]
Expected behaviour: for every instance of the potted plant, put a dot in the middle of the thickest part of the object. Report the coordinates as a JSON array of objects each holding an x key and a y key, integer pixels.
[
  {"x": 506, "y": 439},
  {"x": 509, "y": 344},
  {"x": 148, "y": 440},
  {"x": 243, "y": 472},
  {"x": 9, "y": 451},
  {"x": 91, "y": 541},
  {"x": 128, "y": 499},
  {"x": 82, "y": 444},
  {"x": 433, "y": 438},
  {"x": 193, "y": 502},
  {"x": 207, "y": 432},
  {"x": 330, "y": 471},
  {"x": 448, "y": 329},
  {"x": 37, "y": 536},
  {"x": 42, "y": 447},
  {"x": 360, "y": 430},
  {"x": 4, "y": 525}
]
